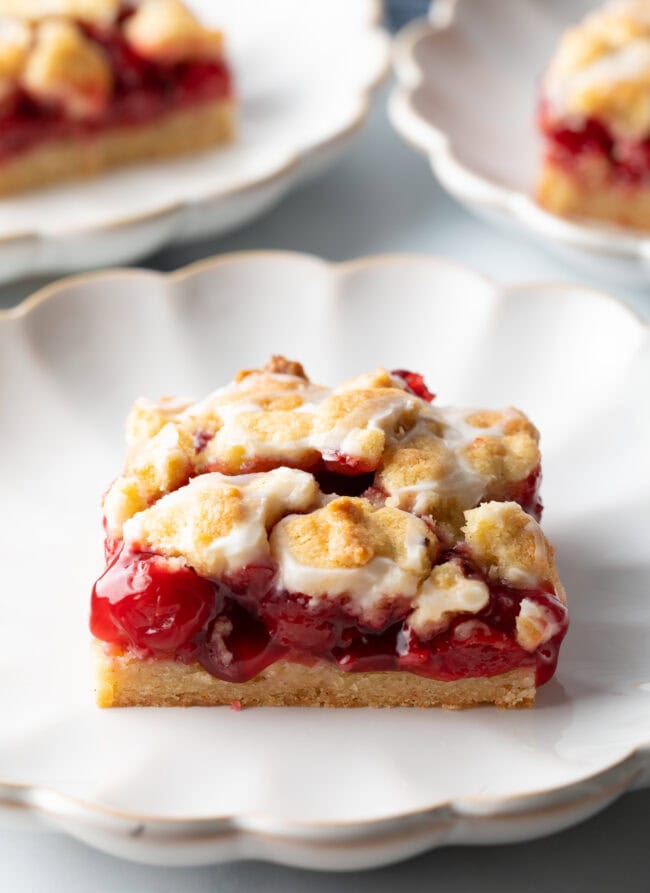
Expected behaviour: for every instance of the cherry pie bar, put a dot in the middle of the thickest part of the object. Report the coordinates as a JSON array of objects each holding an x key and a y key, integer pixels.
[
  {"x": 279, "y": 543},
  {"x": 595, "y": 118},
  {"x": 86, "y": 85}
]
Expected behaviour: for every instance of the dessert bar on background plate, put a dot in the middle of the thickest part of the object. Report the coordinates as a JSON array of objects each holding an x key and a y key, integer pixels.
[
  {"x": 474, "y": 62},
  {"x": 86, "y": 86},
  {"x": 318, "y": 787},
  {"x": 594, "y": 117},
  {"x": 304, "y": 76},
  {"x": 283, "y": 544}
]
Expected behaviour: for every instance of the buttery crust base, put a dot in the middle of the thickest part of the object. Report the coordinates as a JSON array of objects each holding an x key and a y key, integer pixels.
[
  {"x": 588, "y": 193},
  {"x": 126, "y": 681},
  {"x": 177, "y": 133}
]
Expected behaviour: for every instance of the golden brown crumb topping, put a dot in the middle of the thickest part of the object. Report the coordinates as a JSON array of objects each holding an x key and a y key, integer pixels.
[
  {"x": 65, "y": 66},
  {"x": 234, "y": 479},
  {"x": 602, "y": 69},
  {"x": 44, "y": 51},
  {"x": 88, "y": 10},
  {"x": 166, "y": 31},
  {"x": 509, "y": 545},
  {"x": 349, "y": 532}
]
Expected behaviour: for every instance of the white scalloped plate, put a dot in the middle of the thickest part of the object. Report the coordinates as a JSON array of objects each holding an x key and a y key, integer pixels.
[
  {"x": 466, "y": 96},
  {"x": 304, "y": 74},
  {"x": 329, "y": 789}
]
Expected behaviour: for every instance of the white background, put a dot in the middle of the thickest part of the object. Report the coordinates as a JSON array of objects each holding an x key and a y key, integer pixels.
[{"x": 380, "y": 198}]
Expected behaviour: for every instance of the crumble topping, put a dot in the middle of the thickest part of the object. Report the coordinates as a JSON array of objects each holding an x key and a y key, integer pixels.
[
  {"x": 430, "y": 461},
  {"x": 218, "y": 523},
  {"x": 602, "y": 69},
  {"x": 154, "y": 467},
  {"x": 509, "y": 545},
  {"x": 452, "y": 461},
  {"x": 166, "y": 31},
  {"x": 66, "y": 67},
  {"x": 355, "y": 422},
  {"x": 44, "y": 50},
  {"x": 15, "y": 42},
  {"x": 147, "y": 418},
  {"x": 536, "y": 625},
  {"x": 377, "y": 555},
  {"x": 279, "y": 365},
  {"x": 371, "y": 558},
  {"x": 101, "y": 11},
  {"x": 446, "y": 592}
]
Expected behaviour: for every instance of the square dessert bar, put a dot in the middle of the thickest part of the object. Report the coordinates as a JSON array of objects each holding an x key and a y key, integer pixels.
[
  {"x": 86, "y": 85},
  {"x": 594, "y": 117},
  {"x": 280, "y": 543}
]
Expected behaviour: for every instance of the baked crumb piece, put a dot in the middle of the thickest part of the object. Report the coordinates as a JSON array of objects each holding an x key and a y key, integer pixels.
[
  {"x": 66, "y": 67},
  {"x": 167, "y": 31},
  {"x": 509, "y": 545}
]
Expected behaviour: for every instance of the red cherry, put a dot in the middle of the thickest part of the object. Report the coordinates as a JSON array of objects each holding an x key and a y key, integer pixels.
[
  {"x": 526, "y": 493},
  {"x": 295, "y": 625},
  {"x": 142, "y": 601},
  {"x": 237, "y": 646},
  {"x": 415, "y": 384},
  {"x": 349, "y": 466}
]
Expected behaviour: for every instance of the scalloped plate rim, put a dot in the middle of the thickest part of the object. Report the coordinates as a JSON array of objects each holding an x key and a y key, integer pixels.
[{"x": 599, "y": 787}]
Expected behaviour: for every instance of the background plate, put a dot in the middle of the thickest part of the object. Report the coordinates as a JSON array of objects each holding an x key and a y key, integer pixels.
[
  {"x": 304, "y": 72},
  {"x": 468, "y": 81},
  {"x": 332, "y": 789}
]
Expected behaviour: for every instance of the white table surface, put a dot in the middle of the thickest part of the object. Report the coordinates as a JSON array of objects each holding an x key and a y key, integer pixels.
[{"x": 380, "y": 198}]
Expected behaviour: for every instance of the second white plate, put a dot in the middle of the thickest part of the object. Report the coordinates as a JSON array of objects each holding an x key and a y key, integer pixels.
[
  {"x": 304, "y": 73},
  {"x": 467, "y": 94}
]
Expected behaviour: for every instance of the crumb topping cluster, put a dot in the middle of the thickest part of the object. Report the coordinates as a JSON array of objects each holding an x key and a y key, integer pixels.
[
  {"x": 602, "y": 69},
  {"x": 47, "y": 50},
  {"x": 355, "y": 495}
]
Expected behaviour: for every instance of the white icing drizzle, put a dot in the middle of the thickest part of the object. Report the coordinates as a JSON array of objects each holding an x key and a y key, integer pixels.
[
  {"x": 180, "y": 525},
  {"x": 463, "y": 482},
  {"x": 435, "y": 605},
  {"x": 630, "y": 61},
  {"x": 459, "y": 431},
  {"x": 367, "y": 590},
  {"x": 262, "y": 498},
  {"x": 597, "y": 56},
  {"x": 347, "y": 435},
  {"x": 536, "y": 625},
  {"x": 496, "y": 513}
]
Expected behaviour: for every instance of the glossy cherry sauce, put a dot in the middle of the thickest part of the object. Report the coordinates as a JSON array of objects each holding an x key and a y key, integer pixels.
[
  {"x": 628, "y": 160},
  {"x": 161, "y": 610}
]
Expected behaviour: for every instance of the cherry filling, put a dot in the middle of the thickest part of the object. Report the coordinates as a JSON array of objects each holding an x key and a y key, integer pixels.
[
  {"x": 415, "y": 384},
  {"x": 526, "y": 493},
  {"x": 348, "y": 466},
  {"x": 626, "y": 161},
  {"x": 236, "y": 627},
  {"x": 236, "y": 645},
  {"x": 143, "y": 90},
  {"x": 143, "y": 601}
]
